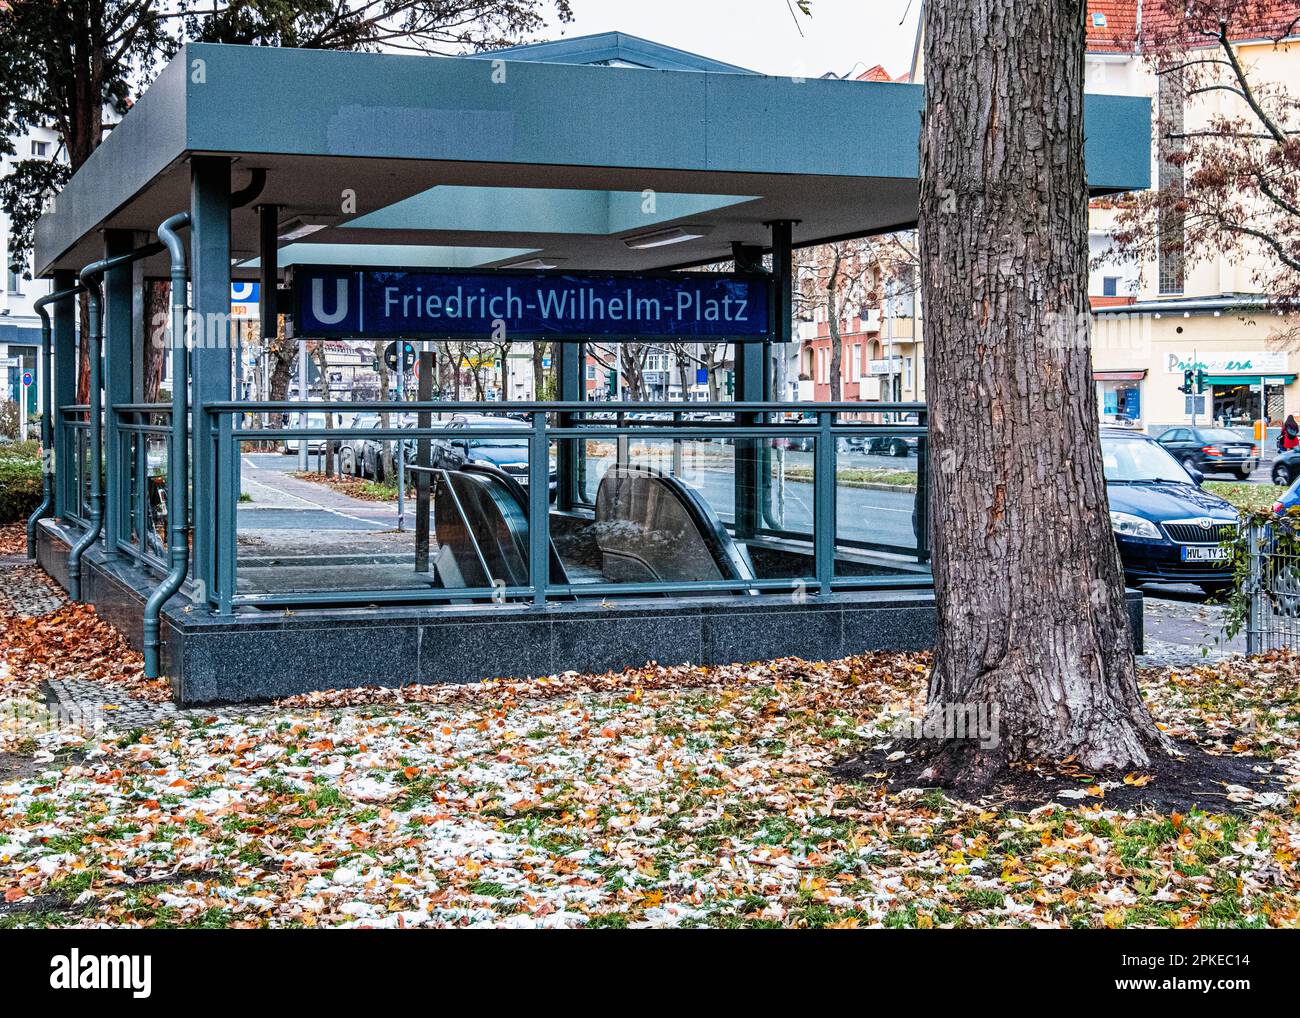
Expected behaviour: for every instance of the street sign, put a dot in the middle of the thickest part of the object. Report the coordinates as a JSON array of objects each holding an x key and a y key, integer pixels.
[
  {"x": 27, "y": 379},
  {"x": 244, "y": 300},
  {"x": 335, "y": 301},
  {"x": 408, "y": 356}
]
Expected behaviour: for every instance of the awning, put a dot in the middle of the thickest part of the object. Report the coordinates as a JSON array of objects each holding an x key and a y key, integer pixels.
[
  {"x": 1248, "y": 379},
  {"x": 1119, "y": 376}
]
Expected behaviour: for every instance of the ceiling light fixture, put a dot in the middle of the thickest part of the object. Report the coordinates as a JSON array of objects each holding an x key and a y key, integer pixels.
[
  {"x": 535, "y": 263},
  {"x": 299, "y": 227},
  {"x": 671, "y": 235}
]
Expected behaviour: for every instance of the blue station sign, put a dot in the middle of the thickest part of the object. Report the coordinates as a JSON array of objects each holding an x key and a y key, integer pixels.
[{"x": 332, "y": 301}]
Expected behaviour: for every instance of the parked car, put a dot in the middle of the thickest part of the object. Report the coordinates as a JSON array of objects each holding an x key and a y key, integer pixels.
[
  {"x": 1167, "y": 528},
  {"x": 1212, "y": 450},
  {"x": 314, "y": 420},
  {"x": 459, "y": 446},
  {"x": 353, "y": 451},
  {"x": 797, "y": 443},
  {"x": 893, "y": 445},
  {"x": 364, "y": 457}
]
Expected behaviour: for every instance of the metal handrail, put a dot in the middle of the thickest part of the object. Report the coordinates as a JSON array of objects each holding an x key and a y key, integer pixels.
[
  {"x": 219, "y": 423},
  {"x": 576, "y": 406}
]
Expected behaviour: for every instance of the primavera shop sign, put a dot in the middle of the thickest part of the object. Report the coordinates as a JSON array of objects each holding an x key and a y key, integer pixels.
[{"x": 1246, "y": 362}]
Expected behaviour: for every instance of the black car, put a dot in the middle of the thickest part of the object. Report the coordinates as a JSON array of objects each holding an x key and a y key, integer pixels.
[
  {"x": 1168, "y": 529},
  {"x": 1212, "y": 450},
  {"x": 1286, "y": 468}
]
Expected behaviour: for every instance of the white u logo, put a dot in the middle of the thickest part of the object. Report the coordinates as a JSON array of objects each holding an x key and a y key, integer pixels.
[{"x": 318, "y": 302}]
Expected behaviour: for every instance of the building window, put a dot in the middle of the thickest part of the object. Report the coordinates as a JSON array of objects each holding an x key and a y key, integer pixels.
[
  {"x": 1120, "y": 401},
  {"x": 857, "y": 362},
  {"x": 1110, "y": 286},
  {"x": 13, "y": 273},
  {"x": 1098, "y": 19},
  {"x": 1170, "y": 247},
  {"x": 40, "y": 149},
  {"x": 907, "y": 373},
  {"x": 591, "y": 372}
]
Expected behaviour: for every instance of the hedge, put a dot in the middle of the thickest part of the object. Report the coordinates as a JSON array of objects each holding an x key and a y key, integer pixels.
[{"x": 20, "y": 489}]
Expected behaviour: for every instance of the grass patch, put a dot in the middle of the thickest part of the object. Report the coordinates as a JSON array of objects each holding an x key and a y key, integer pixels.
[
  {"x": 1250, "y": 497},
  {"x": 859, "y": 477}
]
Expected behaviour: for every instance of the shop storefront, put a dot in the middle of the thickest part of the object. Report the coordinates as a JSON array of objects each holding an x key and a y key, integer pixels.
[
  {"x": 1240, "y": 387},
  {"x": 1142, "y": 352},
  {"x": 1119, "y": 397}
]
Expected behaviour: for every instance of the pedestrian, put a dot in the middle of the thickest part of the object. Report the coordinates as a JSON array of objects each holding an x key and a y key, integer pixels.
[{"x": 1290, "y": 436}]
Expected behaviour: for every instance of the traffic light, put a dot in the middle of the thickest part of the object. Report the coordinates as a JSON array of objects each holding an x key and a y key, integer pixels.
[
  {"x": 731, "y": 383},
  {"x": 1200, "y": 380},
  {"x": 1189, "y": 377},
  {"x": 612, "y": 380}
]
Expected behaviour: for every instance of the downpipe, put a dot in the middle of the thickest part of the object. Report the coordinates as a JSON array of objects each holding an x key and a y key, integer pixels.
[
  {"x": 47, "y": 414},
  {"x": 95, "y": 524},
  {"x": 178, "y": 531},
  {"x": 95, "y": 341}
]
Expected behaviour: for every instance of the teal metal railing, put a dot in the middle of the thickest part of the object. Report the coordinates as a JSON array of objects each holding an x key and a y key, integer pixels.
[
  {"x": 72, "y": 468},
  {"x": 141, "y": 493},
  {"x": 754, "y": 430}
]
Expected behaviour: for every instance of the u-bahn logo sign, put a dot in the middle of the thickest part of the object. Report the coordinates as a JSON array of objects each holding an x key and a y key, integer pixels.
[{"x": 330, "y": 301}]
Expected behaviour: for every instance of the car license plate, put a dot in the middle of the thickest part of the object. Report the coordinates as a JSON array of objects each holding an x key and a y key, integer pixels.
[{"x": 1204, "y": 553}]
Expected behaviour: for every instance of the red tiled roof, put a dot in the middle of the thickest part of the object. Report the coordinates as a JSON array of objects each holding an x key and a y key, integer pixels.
[
  {"x": 1113, "y": 25},
  {"x": 1118, "y": 32},
  {"x": 1111, "y": 302},
  {"x": 876, "y": 73}
]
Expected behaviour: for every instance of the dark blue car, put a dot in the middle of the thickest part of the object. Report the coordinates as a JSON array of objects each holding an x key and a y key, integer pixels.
[{"x": 1167, "y": 528}]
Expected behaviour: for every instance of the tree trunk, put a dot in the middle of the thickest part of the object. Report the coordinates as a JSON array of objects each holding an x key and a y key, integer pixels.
[
  {"x": 385, "y": 420},
  {"x": 539, "y": 353},
  {"x": 328, "y": 446},
  {"x": 833, "y": 320},
  {"x": 1031, "y": 612},
  {"x": 283, "y": 352},
  {"x": 157, "y": 296}
]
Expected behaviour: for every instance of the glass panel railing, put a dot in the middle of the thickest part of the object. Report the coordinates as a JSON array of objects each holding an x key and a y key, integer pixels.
[{"x": 552, "y": 504}]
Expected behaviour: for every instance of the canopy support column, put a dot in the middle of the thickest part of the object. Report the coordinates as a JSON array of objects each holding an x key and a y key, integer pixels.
[
  {"x": 64, "y": 382},
  {"x": 751, "y": 387},
  {"x": 210, "y": 370},
  {"x": 572, "y": 388}
]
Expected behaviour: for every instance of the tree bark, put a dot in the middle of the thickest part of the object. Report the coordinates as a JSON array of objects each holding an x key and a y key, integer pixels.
[
  {"x": 833, "y": 314},
  {"x": 329, "y": 447},
  {"x": 539, "y": 354},
  {"x": 385, "y": 420},
  {"x": 157, "y": 297},
  {"x": 1030, "y": 591}
]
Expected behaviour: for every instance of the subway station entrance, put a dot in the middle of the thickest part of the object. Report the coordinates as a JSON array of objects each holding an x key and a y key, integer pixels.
[{"x": 522, "y": 199}]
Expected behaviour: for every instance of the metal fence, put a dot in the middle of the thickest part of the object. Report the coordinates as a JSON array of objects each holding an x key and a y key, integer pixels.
[
  {"x": 560, "y": 434},
  {"x": 1272, "y": 586}
]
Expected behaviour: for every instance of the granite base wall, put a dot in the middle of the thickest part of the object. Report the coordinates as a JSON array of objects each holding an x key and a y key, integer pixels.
[{"x": 262, "y": 655}]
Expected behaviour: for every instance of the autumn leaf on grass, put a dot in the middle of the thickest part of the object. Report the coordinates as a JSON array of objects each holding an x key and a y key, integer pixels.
[
  {"x": 1114, "y": 918},
  {"x": 1096, "y": 791},
  {"x": 1138, "y": 780}
]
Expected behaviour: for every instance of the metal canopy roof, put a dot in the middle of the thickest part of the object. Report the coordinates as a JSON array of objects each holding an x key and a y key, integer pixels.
[{"x": 581, "y": 156}]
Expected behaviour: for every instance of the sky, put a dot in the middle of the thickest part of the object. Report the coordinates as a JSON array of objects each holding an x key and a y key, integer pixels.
[{"x": 762, "y": 35}]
